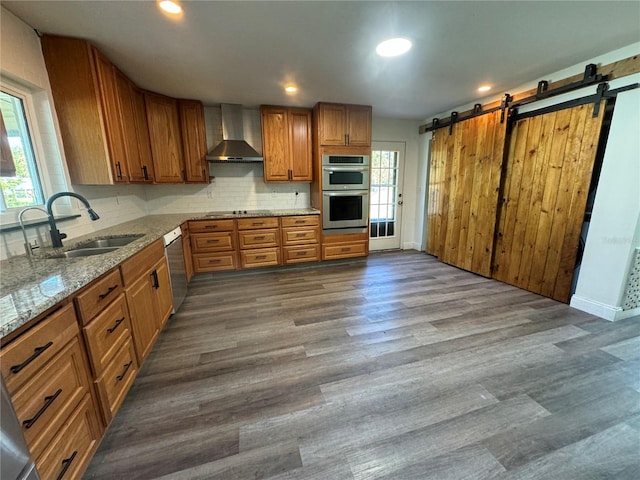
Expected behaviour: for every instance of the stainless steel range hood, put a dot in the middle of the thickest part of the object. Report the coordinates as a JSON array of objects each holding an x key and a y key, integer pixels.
[{"x": 233, "y": 147}]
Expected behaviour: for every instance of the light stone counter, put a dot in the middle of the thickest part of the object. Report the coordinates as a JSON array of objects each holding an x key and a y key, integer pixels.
[{"x": 30, "y": 287}]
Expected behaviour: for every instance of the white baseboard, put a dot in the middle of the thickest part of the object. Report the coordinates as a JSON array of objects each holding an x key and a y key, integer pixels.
[
  {"x": 628, "y": 313},
  {"x": 601, "y": 310},
  {"x": 410, "y": 246}
]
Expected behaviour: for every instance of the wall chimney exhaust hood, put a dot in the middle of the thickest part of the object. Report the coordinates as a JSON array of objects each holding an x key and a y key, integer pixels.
[{"x": 233, "y": 147}]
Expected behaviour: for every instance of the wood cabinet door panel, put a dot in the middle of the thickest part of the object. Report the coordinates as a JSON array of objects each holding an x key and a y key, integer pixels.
[
  {"x": 44, "y": 403},
  {"x": 275, "y": 136},
  {"x": 162, "y": 293},
  {"x": 141, "y": 262},
  {"x": 359, "y": 126},
  {"x": 212, "y": 242},
  {"x": 165, "y": 138},
  {"x": 194, "y": 142},
  {"x": 98, "y": 295},
  {"x": 254, "y": 223},
  {"x": 30, "y": 352},
  {"x": 332, "y": 124},
  {"x": 268, "y": 237},
  {"x": 300, "y": 235},
  {"x": 213, "y": 262},
  {"x": 116, "y": 380},
  {"x": 107, "y": 333},
  {"x": 69, "y": 453},
  {"x": 261, "y": 257},
  {"x": 204, "y": 226},
  {"x": 300, "y": 144},
  {"x": 144, "y": 324},
  {"x": 300, "y": 221},
  {"x": 301, "y": 254}
]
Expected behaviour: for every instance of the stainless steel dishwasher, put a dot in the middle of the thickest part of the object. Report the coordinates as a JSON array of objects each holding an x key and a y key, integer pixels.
[{"x": 177, "y": 271}]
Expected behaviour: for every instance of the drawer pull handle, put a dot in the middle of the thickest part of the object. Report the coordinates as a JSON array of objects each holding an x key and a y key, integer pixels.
[
  {"x": 102, "y": 296},
  {"x": 124, "y": 372},
  {"x": 257, "y": 224},
  {"x": 115, "y": 325},
  {"x": 217, "y": 260},
  {"x": 300, "y": 235},
  {"x": 213, "y": 240},
  {"x": 260, "y": 257},
  {"x": 259, "y": 238},
  {"x": 215, "y": 225},
  {"x": 346, "y": 249},
  {"x": 47, "y": 403},
  {"x": 300, "y": 253},
  {"x": 299, "y": 222},
  {"x": 36, "y": 353},
  {"x": 66, "y": 463}
]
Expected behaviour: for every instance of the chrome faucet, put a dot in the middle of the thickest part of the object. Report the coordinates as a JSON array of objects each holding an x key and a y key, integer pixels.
[
  {"x": 56, "y": 235},
  {"x": 27, "y": 245}
]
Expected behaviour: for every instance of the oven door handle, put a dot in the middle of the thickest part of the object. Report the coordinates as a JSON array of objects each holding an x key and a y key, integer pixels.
[
  {"x": 345, "y": 168},
  {"x": 347, "y": 193}
]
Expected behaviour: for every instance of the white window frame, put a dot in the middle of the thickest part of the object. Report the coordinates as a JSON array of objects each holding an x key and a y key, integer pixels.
[{"x": 10, "y": 215}]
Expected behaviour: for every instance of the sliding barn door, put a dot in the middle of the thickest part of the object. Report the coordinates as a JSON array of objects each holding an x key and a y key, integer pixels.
[
  {"x": 464, "y": 184},
  {"x": 547, "y": 176}
]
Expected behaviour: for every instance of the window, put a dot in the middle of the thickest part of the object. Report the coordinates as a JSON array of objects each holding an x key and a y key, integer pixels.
[{"x": 21, "y": 186}]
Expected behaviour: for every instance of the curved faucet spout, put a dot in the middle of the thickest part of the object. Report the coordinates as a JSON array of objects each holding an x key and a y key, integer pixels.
[{"x": 56, "y": 235}]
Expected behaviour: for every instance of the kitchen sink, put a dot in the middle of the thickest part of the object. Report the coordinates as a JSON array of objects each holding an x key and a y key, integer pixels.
[
  {"x": 84, "y": 252},
  {"x": 108, "y": 242}
]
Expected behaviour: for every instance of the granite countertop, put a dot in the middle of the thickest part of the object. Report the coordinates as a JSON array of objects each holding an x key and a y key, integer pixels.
[{"x": 29, "y": 287}]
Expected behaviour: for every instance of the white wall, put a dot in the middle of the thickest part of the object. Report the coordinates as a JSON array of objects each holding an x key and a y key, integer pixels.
[
  {"x": 22, "y": 64},
  {"x": 405, "y": 131},
  {"x": 615, "y": 222}
]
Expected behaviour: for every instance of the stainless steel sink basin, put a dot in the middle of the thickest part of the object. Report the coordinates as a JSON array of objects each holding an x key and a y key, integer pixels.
[
  {"x": 109, "y": 242},
  {"x": 84, "y": 252}
]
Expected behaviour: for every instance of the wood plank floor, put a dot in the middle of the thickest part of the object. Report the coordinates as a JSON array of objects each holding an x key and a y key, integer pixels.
[{"x": 391, "y": 367}]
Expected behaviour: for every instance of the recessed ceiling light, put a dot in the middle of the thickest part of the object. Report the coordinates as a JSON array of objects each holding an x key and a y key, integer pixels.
[
  {"x": 393, "y": 47},
  {"x": 291, "y": 89},
  {"x": 170, "y": 6},
  {"x": 484, "y": 88}
]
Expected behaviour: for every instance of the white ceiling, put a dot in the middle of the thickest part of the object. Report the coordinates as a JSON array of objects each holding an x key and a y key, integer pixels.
[{"x": 245, "y": 52}]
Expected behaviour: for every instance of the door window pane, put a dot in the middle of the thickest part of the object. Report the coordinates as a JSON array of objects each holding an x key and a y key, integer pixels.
[
  {"x": 384, "y": 177},
  {"x": 23, "y": 189}
]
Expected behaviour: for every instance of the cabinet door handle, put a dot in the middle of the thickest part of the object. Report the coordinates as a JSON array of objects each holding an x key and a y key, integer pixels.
[
  {"x": 346, "y": 139},
  {"x": 110, "y": 330},
  {"x": 124, "y": 372},
  {"x": 145, "y": 174},
  {"x": 47, "y": 403},
  {"x": 119, "y": 168},
  {"x": 66, "y": 463},
  {"x": 156, "y": 282},
  {"x": 102, "y": 296},
  {"x": 290, "y": 174},
  {"x": 36, "y": 353}
]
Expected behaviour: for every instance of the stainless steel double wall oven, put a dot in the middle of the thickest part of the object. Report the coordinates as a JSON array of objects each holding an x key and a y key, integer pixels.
[{"x": 345, "y": 192}]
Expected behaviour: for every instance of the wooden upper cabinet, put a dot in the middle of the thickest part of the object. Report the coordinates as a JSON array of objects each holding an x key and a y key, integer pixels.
[
  {"x": 84, "y": 88},
  {"x": 340, "y": 124},
  {"x": 165, "y": 137},
  {"x": 194, "y": 141},
  {"x": 135, "y": 130},
  {"x": 286, "y": 144}
]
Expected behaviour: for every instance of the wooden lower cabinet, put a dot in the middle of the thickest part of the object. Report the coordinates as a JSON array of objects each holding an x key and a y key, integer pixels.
[
  {"x": 214, "y": 262},
  {"x": 213, "y": 245},
  {"x": 335, "y": 247},
  {"x": 115, "y": 381},
  {"x": 259, "y": 242},
  {"x": 300, "y": 254},
  {"x": 300, "y": 239},
  {"x": 68, "y": 455},
  {"x": 260, "y": 257}
]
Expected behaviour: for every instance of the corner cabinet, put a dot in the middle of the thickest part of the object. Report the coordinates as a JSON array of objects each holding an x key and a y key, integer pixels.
[
  {"x": 84, "y": 87},
  {"x": 194, "y": 141},
  {"x": 343, "y": 125},
  {"x": 286, "y": 144}
]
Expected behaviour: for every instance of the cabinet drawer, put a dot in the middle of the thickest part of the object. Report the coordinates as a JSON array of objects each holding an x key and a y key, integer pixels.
[
  {"x": 260, "y": 222},
  {"x": 301, "y": 221},
  {"x": 300, "y": 236},
  {"x": 69, "y": 453},
  {"x": 212, "y": 262},
  {"x": 143, "y": 261},
  {"x": 107, "y": 333},
  {"x": 212, "y": 242},
  {"x": 44, "y": 403},
  {"x": 261, "y": 257},
  {"x": 25, "y": 356},
  {"x": 300, "y": 254},
  {"x": 204, "y": 226},
  {"x": 97, "y": 296},
  {"x": 259, "y": 238},
  {"x": 118, "y": 376},
  {"x": 344, "y": 250}
]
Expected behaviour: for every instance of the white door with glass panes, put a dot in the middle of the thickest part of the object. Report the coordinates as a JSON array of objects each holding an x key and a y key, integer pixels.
[{"x": 385, "y": 209}]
